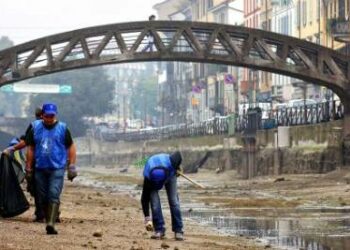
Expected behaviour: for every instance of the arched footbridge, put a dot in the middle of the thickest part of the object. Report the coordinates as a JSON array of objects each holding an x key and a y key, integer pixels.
[{"x": 180, "y": 41}]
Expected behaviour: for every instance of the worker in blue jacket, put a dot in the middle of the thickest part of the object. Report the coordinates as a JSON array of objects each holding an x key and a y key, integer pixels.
[
  {"x": 50, "y": 146},
  {"x": 160, "y": 170}
]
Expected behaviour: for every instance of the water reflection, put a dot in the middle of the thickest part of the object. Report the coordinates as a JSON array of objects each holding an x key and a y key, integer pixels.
[
  {"x": 286, "y": 233},
  {"x": 313, "y": 229}
]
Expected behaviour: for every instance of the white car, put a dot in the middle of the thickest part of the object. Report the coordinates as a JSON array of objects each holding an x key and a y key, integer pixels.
[
  {"x": 280, "y": 106},
  {"x": 301, "y": 102}
]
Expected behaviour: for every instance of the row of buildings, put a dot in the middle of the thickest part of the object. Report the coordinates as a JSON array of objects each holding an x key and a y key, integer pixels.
[{"x": 197, "y": 92}]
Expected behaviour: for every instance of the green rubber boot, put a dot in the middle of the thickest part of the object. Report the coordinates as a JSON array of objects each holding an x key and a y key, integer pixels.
[{"x": 52, "y": 211}]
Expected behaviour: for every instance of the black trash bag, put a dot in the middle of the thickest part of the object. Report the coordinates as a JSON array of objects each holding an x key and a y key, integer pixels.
[
  {"x": 12, "y": 199},
  {"x": 19, "y": 172}
]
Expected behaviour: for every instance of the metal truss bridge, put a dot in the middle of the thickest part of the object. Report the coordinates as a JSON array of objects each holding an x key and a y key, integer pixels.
[{"x": 179, "y": 41}]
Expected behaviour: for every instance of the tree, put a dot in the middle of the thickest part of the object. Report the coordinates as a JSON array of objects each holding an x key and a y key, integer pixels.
[
  {"x": 144, "y": 97},
  {"x": 10, "y": 102},
  {"x": 92, "y": 95},
  {"x": 5, "y": 42}
]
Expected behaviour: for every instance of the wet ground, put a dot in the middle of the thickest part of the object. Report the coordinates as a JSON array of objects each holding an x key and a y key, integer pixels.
[
  {"x": 287, "y": 212},
  {"x": 97, "y": 218}
]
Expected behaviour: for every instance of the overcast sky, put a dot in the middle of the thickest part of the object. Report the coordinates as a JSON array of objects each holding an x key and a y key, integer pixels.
[{"x": 25, "y": 20}]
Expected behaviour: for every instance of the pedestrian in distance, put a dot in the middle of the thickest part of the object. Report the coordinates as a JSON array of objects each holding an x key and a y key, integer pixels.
[
  {"x": 152, "y": 17},
  {"x": 338, "y": 114},
  {"x": 50, "y": 146},
  {"x": 150, "y": 38},
  {"x": 161, "y": 170}
]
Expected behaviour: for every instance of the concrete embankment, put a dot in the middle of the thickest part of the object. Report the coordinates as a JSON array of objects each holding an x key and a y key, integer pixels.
[{"x": 298, "y": 150}]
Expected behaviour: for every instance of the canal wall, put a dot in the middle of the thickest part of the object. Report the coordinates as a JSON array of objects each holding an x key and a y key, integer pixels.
[{"x": 295, "y": 150}]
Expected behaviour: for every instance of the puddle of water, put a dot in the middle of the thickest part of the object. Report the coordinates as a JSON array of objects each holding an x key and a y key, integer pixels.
[
  {"x": 314, "y": 228},
  {"x": 296, "y": 233}
]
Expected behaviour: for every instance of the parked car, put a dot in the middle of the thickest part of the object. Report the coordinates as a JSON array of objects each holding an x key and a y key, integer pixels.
[
  {"x": 294, "y": 103},
  {"x": 281, "y": 106}
]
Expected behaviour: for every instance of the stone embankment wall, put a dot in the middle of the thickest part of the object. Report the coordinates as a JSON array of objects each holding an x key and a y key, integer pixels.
[{"x": 302, "y": 149}]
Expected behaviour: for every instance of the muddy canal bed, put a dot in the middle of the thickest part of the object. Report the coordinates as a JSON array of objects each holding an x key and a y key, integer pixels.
[{"x": 285, "y": 212}]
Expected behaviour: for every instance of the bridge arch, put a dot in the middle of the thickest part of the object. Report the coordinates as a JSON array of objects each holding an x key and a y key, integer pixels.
[{"x": 179, "y": 41}]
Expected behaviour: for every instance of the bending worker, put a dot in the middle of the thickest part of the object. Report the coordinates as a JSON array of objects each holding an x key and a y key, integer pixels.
[
  {"x": 50, "y": 145},
  {"x": 160, "y": 170}
]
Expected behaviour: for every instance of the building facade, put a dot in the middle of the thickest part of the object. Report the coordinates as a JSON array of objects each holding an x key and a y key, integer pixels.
[
  {"x": 249, "y": 85},
  {"x": 218, "y": 96},
  {"x": 175, "y": 84},
  {"x": 200, "y": 91},
  {"x": 206, "y": 94},
  {"x": 282, "y": 22}
]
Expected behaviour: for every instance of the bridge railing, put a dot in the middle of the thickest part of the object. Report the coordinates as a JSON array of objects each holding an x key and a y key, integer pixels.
[{"x": 291, "y": 116}]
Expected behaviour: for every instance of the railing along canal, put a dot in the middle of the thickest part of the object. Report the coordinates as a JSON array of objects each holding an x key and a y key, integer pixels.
[{"x": 289, "y": 116}]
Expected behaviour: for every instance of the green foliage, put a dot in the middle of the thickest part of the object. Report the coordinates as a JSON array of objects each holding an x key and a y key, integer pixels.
[
  {"x": 92, "y": 95},
  {"x": 5, "y": 42},
  {"x": 140, "y": 163},
  {"x": 143, "y": 97}
]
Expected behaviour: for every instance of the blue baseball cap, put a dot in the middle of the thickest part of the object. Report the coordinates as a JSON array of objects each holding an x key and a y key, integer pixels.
[
  {"x": 49, "y": 109},
  {"x": 14, "y": 141},
  {"x": 158, "y": 177}
]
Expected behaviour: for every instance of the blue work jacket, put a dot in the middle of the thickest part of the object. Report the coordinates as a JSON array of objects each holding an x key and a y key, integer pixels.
[{"x": 50, "y": 149}]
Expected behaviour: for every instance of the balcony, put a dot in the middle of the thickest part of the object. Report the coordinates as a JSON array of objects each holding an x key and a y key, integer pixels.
[{"x": 340, "y": 29}]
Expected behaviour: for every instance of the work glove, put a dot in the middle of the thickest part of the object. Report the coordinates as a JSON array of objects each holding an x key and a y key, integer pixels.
[
  {"x": 148, "y": 224},
  {"x": 9, "y": 150},
  {"x": 72, "y": 172},
  {"x": 30, "y": 181},
  {"x": 179, "y": 171}
]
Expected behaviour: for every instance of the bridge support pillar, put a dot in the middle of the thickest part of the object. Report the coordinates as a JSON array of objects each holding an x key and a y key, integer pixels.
[
  {"x": 276, "y": 162},
  {"x": 249, "y": 164}
]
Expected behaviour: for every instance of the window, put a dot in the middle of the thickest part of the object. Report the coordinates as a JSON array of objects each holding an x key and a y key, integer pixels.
[
  {"x": 203, "y": 8},
  {"x": 201, "y": 70},
  {"x": 195, "y": 10},
  {"x": 330, "y": 10},
  {"x": 317, "y": 39},
  {"x": 341, "y": 10},
  {"x": 297, "y": 19},
  {"x": 220, "y": 17},
  {"x": 283, "y": 24},
  {"x": 304, "y": 10},
  {"x": 335, "y": 8},
  {"x": 311, "y": 13},
  {"x": 264, "y": 25},
  {"x": 209, "y": 4}
]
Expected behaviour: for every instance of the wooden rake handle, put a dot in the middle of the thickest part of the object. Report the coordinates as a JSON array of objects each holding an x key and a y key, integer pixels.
[{"x": 190, "y": 180}]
